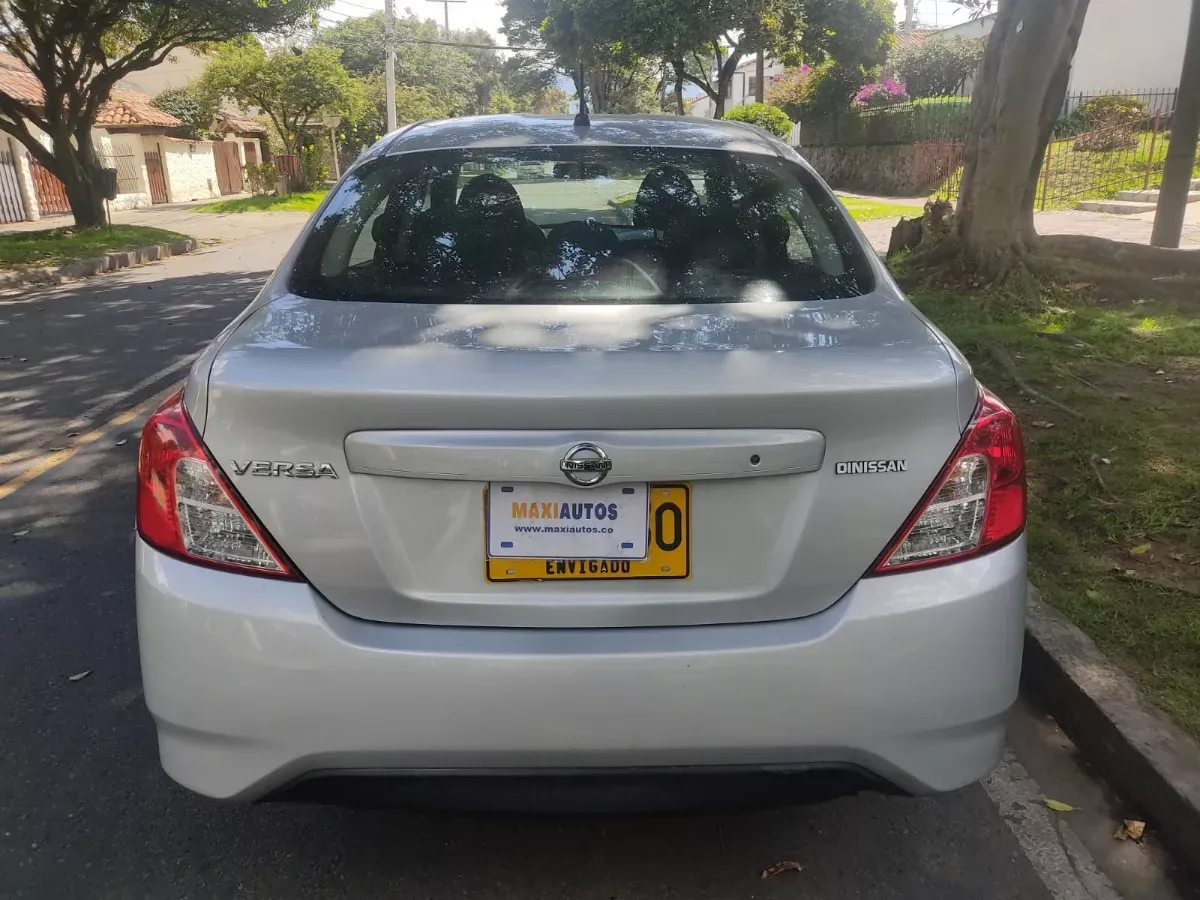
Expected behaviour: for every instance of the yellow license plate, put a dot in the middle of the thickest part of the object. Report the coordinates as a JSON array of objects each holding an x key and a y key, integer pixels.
[{"x": 668, "y": 546}]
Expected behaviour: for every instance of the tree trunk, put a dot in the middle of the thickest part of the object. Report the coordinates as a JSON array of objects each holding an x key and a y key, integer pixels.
[
  {"x": 1052, "y": 108},
  {"x": 1008, "y": 133},
  {"x": 680, "y": 109},
  {"x": 1181, "y": 154},
  {"x": 76, "y": 166}
]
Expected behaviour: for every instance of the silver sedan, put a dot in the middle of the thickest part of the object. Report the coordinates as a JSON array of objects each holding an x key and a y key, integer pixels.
[{"x": 601, "y": 462}]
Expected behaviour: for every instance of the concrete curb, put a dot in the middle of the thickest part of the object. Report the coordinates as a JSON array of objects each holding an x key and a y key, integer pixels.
[
  {"x": 96, "y": 265},
  {"x": 1149, "y": 760}
]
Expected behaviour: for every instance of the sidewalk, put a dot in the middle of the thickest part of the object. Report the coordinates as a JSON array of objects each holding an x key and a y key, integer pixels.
[
  {"x": 1132, "y": 229},
  {"x": 181, "y": 217}
]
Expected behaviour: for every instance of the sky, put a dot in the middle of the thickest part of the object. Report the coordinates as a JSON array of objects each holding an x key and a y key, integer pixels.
[{"x": 486, "y": 14}]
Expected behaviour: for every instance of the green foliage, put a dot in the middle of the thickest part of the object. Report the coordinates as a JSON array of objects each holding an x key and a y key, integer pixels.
[
  {"x": 768, "y": 118},
  {"x": 939, "y": 66},
  {"x": 625, "y": 33},
  {"x": 262, "y": 177},
  {"x": 831, "y": 89},
  {"x": 932, "y": 119},
  {"x": 305, "y": 202},
  {"x": 314, "y": 167},
  {"x": 194, "y": 108},
  {"x": 789, "y": 90},
  {"x": 1114, "y": 527},
  {"x": 1108, "y": 122},
  {"x": 292, "y": 90}
]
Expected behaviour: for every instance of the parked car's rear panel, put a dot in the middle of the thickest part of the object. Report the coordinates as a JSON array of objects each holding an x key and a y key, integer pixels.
[{"x": 372, "y": 444}]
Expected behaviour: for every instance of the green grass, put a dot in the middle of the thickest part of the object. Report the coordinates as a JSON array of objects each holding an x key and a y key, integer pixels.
[
  {"x": 1076, "y": 175},
  {"x": 58, "y": 246},
  {"x": 1114, "y": 523},
  {"x": 305, "y": 202},
  {"x": 864, "y": 210}
]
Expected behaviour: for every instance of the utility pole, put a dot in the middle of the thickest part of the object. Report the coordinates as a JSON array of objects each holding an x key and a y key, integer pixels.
[
  {"x": 1181, "y": 154},
  {"x": 910, "y": 13},
  {"x": 389, "y": 70},
  {"x": 446, "y": 10},
  {"x": 760, "y": 90}
]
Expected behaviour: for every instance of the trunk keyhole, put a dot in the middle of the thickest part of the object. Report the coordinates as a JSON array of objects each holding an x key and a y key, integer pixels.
[{"x": 755, "y": 460}]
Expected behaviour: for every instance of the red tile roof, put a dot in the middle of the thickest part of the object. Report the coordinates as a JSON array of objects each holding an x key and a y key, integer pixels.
[
  {"x": 915, "y": 37},
  {"x": 232, "y": 120},
  {"x": 124, "y": 108},
  {"x": 131, "y": 108}
]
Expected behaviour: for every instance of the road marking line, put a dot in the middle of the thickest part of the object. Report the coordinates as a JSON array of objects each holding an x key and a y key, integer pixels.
[
  {"x": 58, "y": 457},
  {"x": 87, "y": 415},
  {"x": 1060, "y": 859}
]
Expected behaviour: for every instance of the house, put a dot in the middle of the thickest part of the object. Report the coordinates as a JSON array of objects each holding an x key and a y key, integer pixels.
[
  {"x": 247, "y": 133},
  {"x": 1123, "y": 46},
  {"x": 131, "y": 136},
  {"x": 742, "y": 89}
]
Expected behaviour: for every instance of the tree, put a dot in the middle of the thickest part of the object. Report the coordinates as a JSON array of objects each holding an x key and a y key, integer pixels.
[
  {"x": 194, "y": 109},
  {"x": 292, "y": 89},
  {"x": 704, "y": 43},
  {"x": 79, "y": 49},
  {"x": 1019, "y": 93},
  {"x": 939, "y": 67}
]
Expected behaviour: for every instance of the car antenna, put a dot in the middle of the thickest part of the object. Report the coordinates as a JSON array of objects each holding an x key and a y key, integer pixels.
[{"x": 581, "y": 118}]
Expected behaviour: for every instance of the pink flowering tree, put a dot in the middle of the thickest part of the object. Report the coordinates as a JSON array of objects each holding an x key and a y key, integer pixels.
[{"x": 881, "y": 94}]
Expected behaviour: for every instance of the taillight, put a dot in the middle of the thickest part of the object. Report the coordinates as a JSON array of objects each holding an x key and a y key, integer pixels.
[
  {"x": 977, "y": 502},
  {"x": 185, "y": 507}
]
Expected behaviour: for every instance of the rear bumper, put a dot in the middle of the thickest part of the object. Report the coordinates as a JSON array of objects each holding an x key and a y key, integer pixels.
[{"x": 256, "y": 685}]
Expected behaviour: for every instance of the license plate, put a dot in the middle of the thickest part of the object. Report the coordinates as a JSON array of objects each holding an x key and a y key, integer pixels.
[{"x": 541, "y": 532}]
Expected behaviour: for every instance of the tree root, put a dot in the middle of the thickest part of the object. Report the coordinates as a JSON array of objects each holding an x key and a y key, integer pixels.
[{"x": 1005, "y": 362}]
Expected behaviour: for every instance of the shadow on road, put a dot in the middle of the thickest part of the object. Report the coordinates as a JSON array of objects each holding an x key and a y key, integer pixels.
[{"x": 68, "y": 350}]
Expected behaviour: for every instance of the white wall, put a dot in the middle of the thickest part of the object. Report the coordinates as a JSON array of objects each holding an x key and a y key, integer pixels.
[
  {"x": 190, "y": 170},
  {"x": 972, "y": 28},
  {"x": 1134, "y": 45},
  {"x": 241, "y": 142},
  {"x": 130, "y": 153},
  {"x": 739, "y": 88}
]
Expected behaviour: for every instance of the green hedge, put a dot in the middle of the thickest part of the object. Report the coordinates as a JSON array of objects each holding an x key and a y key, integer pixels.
[
  {"x": 931, "y": 119},
  {"x": 769, "y": 118}
]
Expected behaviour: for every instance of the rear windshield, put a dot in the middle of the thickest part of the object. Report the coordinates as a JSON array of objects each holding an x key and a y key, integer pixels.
[{"x": 581, "y": 225}]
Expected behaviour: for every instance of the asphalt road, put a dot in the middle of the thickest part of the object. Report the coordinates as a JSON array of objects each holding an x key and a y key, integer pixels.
[{"x": 85, "y": 810}]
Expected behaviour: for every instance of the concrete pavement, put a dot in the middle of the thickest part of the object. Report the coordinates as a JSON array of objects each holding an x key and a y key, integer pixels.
[{"x": 86, "y": 812}]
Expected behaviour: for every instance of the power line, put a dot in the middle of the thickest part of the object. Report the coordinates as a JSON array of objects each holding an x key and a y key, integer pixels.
[{"x": 356, "y": 5}]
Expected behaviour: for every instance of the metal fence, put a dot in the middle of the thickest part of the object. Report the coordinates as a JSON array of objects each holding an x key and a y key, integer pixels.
[
  {"x": 1104, "y": 143},
  {"x": 129, "y": 175}
]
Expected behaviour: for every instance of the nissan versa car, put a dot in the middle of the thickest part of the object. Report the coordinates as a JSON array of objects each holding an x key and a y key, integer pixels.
[{"x": 604, "y": 457}]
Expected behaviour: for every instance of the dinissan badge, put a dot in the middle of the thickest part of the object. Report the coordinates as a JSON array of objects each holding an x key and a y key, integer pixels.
[{"x": 870, "y": 466}]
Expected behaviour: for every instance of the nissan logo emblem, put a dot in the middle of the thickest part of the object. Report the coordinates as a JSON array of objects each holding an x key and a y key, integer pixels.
[{"x": 585, "y": 465}]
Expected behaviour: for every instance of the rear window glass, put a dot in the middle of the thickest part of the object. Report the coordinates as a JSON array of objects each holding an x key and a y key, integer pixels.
[{"x": 581, "y": 225}]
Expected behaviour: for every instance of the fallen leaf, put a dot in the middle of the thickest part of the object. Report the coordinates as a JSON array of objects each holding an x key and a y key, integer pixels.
[
  {"x": 122, "y": 441},
  {"x": 787, "y": 865},
  {"x": 1178, "y": 557},
  {"x": 1160, "y": 372},
  {"x": 1139, "y": 550},
  {"x": 1092, "y": 595},
  {"x": 1058, "y": 805},
  {"x": 1130, "y": 829},
  {"x": 1106, "y": 460},
  {"x": 79, "y": 676},
  {"x": 21, "y": 533},
  {"x": 1040, "y": 424},
  {"x": 72, "y": 434}
]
